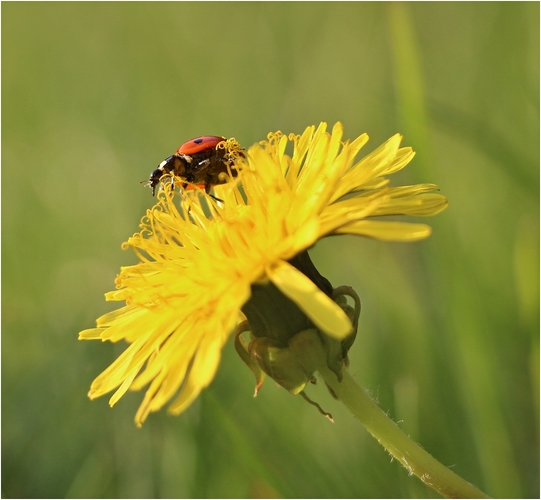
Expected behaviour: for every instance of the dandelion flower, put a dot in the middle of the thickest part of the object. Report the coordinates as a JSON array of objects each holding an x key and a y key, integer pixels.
[{"x": 199, "y": 259}]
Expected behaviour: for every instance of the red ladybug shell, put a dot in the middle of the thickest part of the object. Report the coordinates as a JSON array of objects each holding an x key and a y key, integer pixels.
[{"x": 199, "y": 144}]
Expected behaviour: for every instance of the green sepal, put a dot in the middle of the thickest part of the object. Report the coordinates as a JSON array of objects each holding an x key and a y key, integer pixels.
[
  {"x": 284, "y": 342},
  {"x": 242, "y": 350},
  {"x": 281, "y": 363}
]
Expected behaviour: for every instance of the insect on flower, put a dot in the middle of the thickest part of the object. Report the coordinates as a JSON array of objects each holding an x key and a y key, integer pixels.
[{"x": 201, "y": 162}]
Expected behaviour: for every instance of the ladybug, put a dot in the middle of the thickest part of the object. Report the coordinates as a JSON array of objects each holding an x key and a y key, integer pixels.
[{"x": 201, "y": 162}]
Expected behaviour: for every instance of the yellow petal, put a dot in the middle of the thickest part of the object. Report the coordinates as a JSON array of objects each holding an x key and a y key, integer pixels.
[
  {"x": 421, "y": 205},
  {"x": 91, "y": 334},
  {"x": 402, "y": 158},
  {"x": 387, "y": 231},
  {"x": 204, "y": 366},
  {"x": 370, "y": 167},
  {"x": 320, "y": 308}
]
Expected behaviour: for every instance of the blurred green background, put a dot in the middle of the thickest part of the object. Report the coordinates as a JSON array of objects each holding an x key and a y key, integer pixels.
[{"x": 95, "y": 95}]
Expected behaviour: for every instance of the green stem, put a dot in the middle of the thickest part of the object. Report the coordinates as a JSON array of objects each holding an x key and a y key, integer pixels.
[{"x": 416, "y": 460}]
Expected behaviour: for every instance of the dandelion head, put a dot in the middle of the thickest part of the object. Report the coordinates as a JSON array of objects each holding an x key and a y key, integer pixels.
[{"x": 202, "y": 261}]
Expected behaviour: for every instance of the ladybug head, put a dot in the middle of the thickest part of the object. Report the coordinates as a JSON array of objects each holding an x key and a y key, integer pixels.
[
  {"x": 164, "y": 167},
  {"x": 155, "y": 179}
]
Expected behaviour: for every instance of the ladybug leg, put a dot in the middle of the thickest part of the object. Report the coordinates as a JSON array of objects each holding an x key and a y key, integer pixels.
[
  {"x": 207, "y": 190},
  {"x": 190, "y": 179},
  {"x": 216, "y": 198},
  {"x": 203, "y": 164}
]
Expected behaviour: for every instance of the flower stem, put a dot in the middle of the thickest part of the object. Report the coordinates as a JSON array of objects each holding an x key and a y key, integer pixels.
[{"x": 416, "y": 460}]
